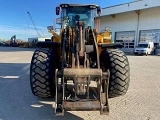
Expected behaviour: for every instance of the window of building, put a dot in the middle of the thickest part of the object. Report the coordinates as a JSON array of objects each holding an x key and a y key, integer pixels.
[
  {"x": 150, "y": 35},
  {"x": 126, "y": 38}
]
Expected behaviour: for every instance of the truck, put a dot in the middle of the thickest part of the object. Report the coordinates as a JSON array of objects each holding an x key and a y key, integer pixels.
[{"x": 144, "y": 48}]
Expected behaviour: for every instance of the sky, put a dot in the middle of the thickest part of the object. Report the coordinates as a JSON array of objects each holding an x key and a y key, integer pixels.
[{"x": 14, "y": 19}]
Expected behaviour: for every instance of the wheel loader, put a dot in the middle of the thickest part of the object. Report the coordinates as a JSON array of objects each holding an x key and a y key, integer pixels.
[{"x": 80, "y": 67}]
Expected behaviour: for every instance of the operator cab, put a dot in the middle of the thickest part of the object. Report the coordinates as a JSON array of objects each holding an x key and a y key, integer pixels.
[{"x": 70, "y": 13}]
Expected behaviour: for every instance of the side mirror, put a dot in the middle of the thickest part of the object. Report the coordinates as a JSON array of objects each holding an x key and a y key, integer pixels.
[
  {"x": 57, "y": 10},
  {"x": 99, "y": 11}
]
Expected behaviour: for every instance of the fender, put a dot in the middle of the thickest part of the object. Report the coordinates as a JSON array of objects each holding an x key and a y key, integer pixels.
[{"x": 112, "y": 45}]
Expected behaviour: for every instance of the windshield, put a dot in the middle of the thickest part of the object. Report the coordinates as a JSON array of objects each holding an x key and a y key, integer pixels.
[
  {"x": 72, "y": 14},
  {"x": 142, "y": 45}
]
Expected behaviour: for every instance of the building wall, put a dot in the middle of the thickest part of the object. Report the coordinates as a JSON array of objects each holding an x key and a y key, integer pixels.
[
  {"x": 43, "y": 39},
  {"x": 131, "y": 6},
  {"x": 149, "y": 19},
  {"x": 121, "y": 22},
  {"x": 35, "y": 39}
]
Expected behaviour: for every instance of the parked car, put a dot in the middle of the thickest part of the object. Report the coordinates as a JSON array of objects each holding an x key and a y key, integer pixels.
[{"x": 144, "y": 48}]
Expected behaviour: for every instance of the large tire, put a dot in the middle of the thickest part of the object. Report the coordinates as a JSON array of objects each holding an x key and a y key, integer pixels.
[
  {"x": 118, "y": 65},
  {"x": 42, "y": 71}
]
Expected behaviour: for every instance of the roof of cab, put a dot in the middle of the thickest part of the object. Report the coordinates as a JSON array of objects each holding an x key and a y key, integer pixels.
[{"x": 79, "y": 5}]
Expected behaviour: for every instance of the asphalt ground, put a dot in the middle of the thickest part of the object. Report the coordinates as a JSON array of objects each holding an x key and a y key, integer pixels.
[{"x": 142, "y": 101}]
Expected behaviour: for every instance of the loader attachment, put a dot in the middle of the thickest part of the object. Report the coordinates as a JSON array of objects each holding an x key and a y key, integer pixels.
[
  {"x": 80, "y": 66},
  {"x": 78, "y": 97}
]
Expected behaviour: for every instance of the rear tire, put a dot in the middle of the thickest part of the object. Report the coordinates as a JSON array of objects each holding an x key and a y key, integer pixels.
[
  {"x": 116, "y": 61},
  {"x": 42, "y": 72}
]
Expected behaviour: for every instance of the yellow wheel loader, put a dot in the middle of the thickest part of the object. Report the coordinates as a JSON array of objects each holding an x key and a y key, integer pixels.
[{"x": 81, "y": 68}]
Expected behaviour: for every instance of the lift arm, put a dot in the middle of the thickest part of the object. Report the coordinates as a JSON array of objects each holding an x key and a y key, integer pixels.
[{"x": 57, "y": 37}]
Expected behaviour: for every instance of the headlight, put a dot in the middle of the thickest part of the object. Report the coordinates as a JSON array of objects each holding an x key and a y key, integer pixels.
[{"x": 64, "y": 5}]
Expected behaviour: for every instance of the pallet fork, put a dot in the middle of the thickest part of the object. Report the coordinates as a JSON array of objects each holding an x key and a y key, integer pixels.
[{"x": 75, "y": 102}]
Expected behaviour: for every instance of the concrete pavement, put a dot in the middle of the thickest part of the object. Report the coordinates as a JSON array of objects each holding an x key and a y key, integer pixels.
[{"x": 17, "y": 102}]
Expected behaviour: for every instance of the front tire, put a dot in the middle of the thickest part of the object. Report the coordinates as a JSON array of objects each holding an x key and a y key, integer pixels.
[
  {"x": 42, "y": 71},
  {"x": 116, "y": 61}
]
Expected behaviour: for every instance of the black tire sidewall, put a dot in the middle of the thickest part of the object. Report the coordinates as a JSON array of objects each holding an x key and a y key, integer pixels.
[
  {"x": 49, "y": 55},
  {"x": 109, "y": 56}
]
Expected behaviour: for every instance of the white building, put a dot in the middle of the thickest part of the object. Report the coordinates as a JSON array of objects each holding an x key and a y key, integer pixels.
[
  {"x": 39, "y": 39},
  {"x": 35, "y": 39},
  {"x": 132, "y": 22}
]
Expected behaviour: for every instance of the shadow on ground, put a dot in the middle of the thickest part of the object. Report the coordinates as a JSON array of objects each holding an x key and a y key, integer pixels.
[{"x": 17, "y": 101}]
